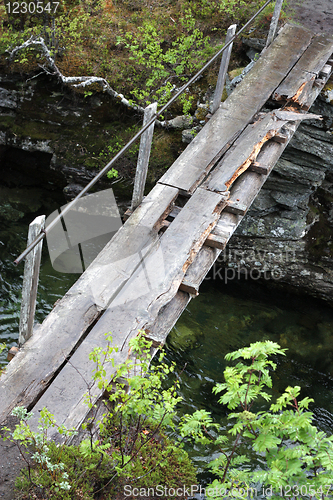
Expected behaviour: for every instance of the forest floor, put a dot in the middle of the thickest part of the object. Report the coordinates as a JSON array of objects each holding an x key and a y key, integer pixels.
[{"x": 318, "y": 17}]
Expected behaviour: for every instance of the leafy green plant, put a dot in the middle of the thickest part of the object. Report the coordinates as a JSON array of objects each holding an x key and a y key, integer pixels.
[
  {"x": 131, "y": 445},
  {"x": 38, "y": 441},
  {"x": 113, "y": 173},
  {"x": 297, "y": 457}
]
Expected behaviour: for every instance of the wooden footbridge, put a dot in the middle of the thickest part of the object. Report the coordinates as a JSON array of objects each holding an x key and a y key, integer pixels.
[{"x": 155, "y": 263}]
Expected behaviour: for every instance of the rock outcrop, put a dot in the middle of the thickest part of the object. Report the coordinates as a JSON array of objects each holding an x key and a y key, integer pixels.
[
  {"x": 58, "y": 140},
  {"x": 287, "y": 235}
]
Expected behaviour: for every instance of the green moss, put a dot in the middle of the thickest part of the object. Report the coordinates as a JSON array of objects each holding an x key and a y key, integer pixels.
[
  {"x": 34, "y": 130},
  {"x": 6, "y": 122}
]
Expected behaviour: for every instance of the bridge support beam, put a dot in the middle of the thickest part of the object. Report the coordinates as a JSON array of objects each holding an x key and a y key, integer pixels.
[
  {"x": 30, "y": 281},
  {"x": 274, "y": 22},
  {"x": 143, "y": 158},
  {"x": 223, "y": 69}
]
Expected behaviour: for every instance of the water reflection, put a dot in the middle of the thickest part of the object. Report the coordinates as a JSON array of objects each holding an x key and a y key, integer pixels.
[{"x": 225, "y": 318}]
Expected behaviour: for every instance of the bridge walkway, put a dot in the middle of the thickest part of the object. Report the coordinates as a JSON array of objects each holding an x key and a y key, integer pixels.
[{"x": 153, "y": 266}]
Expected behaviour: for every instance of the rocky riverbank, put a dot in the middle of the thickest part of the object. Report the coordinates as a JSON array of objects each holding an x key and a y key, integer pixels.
[{"x": 287, "y": 235}]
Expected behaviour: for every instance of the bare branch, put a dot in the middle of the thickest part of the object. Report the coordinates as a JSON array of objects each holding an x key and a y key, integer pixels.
[{"x": 75, "y": 81}]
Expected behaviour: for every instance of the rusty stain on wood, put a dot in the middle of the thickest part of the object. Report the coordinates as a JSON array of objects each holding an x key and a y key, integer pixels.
[{"x": 252, "y": 158}]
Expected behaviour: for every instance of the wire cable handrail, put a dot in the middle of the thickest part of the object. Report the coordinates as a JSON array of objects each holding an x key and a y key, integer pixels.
[{"x": 134, "y": 139}]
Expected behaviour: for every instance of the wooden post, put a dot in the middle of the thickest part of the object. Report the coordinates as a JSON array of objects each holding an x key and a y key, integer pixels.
[
  {"x": 274, "y": 22},
  {"x": 30, "y": 281},
  {"x": 223, "y": 69},
  {"x": 143, "y": 158}
]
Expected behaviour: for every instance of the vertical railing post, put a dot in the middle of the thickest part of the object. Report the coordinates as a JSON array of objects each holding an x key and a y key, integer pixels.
[
  {"x": 223, "y": 70},
  {"x": 30, "y": 281},
  {"x": 143, "y": 157},
  {"x": 274, "y": 22}
]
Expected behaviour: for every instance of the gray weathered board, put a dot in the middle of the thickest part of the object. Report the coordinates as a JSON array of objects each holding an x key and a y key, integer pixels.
[
  {"x": 245, "y": 189},
  {"x": 301, "y": 78},
  {"x": 46, "y": 351},
  {"x": 244, "y": 152},
  {"x": 136, "y": 307},
  {"x": 238, "y": 110}
]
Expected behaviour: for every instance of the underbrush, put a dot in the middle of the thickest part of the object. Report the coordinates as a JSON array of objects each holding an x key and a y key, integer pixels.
[{"x": 143, "y": 49}]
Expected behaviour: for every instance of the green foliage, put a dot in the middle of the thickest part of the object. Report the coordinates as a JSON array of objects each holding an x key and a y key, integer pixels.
[
  {"x": 131, "y": 445},
  {"x": 294, "y": 452},
  {"x": 113, "y": 173},
  {"x": 48, "y": 470},
  {"x": 294, "y": 458},
  {"x": 165, "y": 68}
]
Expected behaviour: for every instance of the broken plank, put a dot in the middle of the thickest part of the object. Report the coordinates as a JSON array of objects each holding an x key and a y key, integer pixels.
[
  {"x": 238, "y": 110},
  {"x": 136, "y": 306},
  {"x": 168, "y": 317},
  {"x": 197, "y": 272},
  {"x": 32, "y": 369},
  {"x": 306, "y": 70},
  {"x": 244, "y": 153}
]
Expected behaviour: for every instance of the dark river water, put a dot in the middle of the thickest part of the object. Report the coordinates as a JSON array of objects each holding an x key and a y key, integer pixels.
[{"x": 224, "y": 317}]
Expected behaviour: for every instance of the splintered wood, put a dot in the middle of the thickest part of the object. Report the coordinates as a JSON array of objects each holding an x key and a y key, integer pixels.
[
  {"x": 297, "y": 87},
  {"x": 244, "y": 152}
]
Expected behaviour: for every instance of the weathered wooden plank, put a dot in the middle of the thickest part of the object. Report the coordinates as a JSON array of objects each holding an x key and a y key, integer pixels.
[
  {"x": 235, "y": 207},
  {"x": 199, "y": 155},
  {"x": 212, "y": 239},
  {"x": 280, "y": 138},
  {"x": 274, "y": 22},
  {"x": 238, "y": 110},
  {"x": 32, "y": 369},
  {"x": 197, "y": 272},
  {"x": 300, "y": 80},
  {"x": 137, "y": 305},
  {"x": 246, "y": 187},
  {"x": 244, "y": 152},
  {"x": 223, "y": 69},
  {"x": 256, "y": 167},
  {"x": 326, "y": 71}
]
